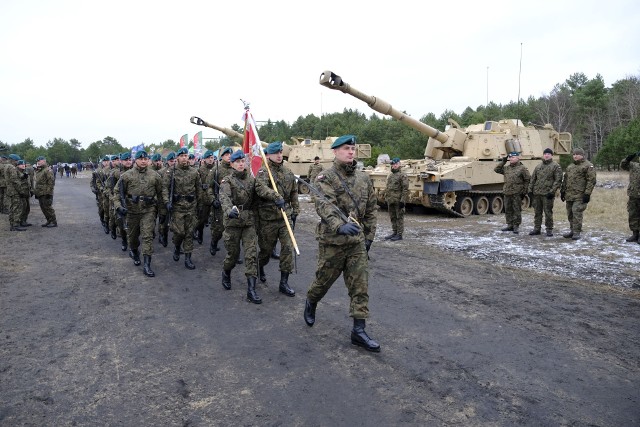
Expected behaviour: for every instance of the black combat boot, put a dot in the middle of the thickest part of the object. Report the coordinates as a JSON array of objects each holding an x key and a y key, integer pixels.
[
  {"x": 568, "y": 234},
  {"x": 226, "y": 279},
  {"x": 516, "y": 229},
  {"x": 549, "y": 232},
  {"x": 252, "y": 296},
  {"x": 135, "y": 254},
  {"x": 261, "y": 274},
  {"x": 284, "y": 285},
  {"x": 360, "y": 337},
  {"x": 275, "y": 254},
  {"x": 213, "y": 247},
  {"x": 634, "y": 237},
  {"x": 310, "y": 312},
  {"x": 576, "y": 236},
  {"x": 105, "y": 226},
  {"x": 125, "y": 244},
  {"x": 507, "y": 228},
  {"x": 396, "y": 238},
  {"x": 390, "y": 236},
  {"x": 535, "y": 232},
  {"x": 176, "y": 253},
  {"x": 114, "y": 234},
  {"x": 25, "y": 224},
  {"x": 200, "y": 234},
  {"x": 146, "y": 269},
  {"x": 162, "y": 240},
  {"x": 47, "y": 224},
  {"x": 16, "y": 228},
  {"x": 187, "y": 261}
]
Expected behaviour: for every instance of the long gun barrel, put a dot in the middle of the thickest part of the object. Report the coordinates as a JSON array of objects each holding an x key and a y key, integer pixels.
[
  {"x": 229, "y": 132},
  {"x": 334, "y": 81}
]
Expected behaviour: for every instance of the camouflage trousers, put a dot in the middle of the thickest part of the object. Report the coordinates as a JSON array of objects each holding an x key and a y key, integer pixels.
[
  {"x": 268, "y": 235},
  {"x": 513, "y": 210},
  {"x": 396, "y": 215},
  {"x": 203, "y": 216},
  {"x": 233, "y": 237},
  {"x": 542, "y": 204},
  {"x": 99, "y": 204},
  {"x": 633, "y": 207},
  {"x": 182, "y": 225},
  {"x": 575, "y": 210},
  {"x": 104, "y": 200},
  {"x": 15, "y": 210},
  {"x": 46, "y": 206},
  {"x": 2, "y": 200},
  {"x": 351, "y": 261},
  {"x": 217, "y": 228},
  {"x": 162, "y": 218},
  {"x": 26, "y": 209},
  {"x": 140, "y": 226}
]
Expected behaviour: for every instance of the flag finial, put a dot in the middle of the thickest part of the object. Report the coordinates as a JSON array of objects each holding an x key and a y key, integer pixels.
[{"x": 246, "y": 104}]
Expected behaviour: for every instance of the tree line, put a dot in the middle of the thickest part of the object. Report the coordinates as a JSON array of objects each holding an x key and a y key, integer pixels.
[{"x": 604, "y": 121}]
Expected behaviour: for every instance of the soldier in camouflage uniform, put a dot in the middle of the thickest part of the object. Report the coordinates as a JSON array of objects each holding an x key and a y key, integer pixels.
[
  {"x": 140, "y": 190},
  {"x": 156, "y": 162},
  {"x": 187, "y": 194},
  {"x": 237, "y": 195},
  {"x": 94, "y": 184},
  {"x": 516, "y": 184},
  {"x": 272, "y": 226},
  {"x": 103, "y": 191},
  {"x": 15, "y": 182},
  {"x": 4, "y": 163},
  {"x": 314, "y": 170},
  {"x": 577, "y": 185},
  {"x": 221, "y": 169},
  {"x": 23, "y": 189},
  {"x": 633, "y": 192},
  {"x": 44, "y": 183},
  {"x": 545, "y": 181},
  {"x": 204, "y": 210},
  {"x": 117, "y": 220},
  {"x": 165, "y": 173},
  {"x": 342, "y": 243},
  {"x": 396, "y": 196},
  {"x": 111, "y": 183}
]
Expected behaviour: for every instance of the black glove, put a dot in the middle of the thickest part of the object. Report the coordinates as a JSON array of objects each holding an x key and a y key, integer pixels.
[
  {"x": 551, "y": 196},
  {"x": 631, "y": 157},
  {"x": 401, "y": 205},
  {"x": 25, "y": 175},
  {"x": 122, "y": 211},
  {"x": 280, "y": 203},
  {"x": 349, "y": 229},
  {"x": 562, "y": 196},
  {"x": 293, "y": 220},
  {"x": 367, "y": 244},
  {"x": 234, "y": 214},
  {"x": 216, "y": 204},
  {"x": 169, "y": 206},
  {"x": 586, "y": 198},
  {"x": 37, "y": 197}
]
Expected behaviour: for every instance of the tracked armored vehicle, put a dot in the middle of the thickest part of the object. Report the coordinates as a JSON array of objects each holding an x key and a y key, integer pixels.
[{"x": 457, "y": 175}]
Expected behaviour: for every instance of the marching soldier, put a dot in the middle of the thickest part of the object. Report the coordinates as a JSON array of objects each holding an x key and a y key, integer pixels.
[
  {"x": 237, "y": 195},
  {"x": 111, "y": 183},
  {"x": 633, "y": 192},
  {"x": 272, "y": 226},
  {"x": 545, "y": 181},
  {"x": 205, "y": 209},
  {"x": 344, "y": 243},
  {"x": 182, "y": 203},
  {"x": 118, "y": 220},
  {"x": 103, "y": 191},
  {"x": 165, "y": 173},
  {"x": 16, "y": 181},
  {"x": 516, "y": 183},
  {"x": 140, "y": 191},
  {"x": 156, "y": 162},
  {"x": 4, "y": 199},
  {"x": 43, "y": 190},
  {"x": 221, "y": 170},
  {"x": 396, "y": 196},
  {"x": 577, "y": 185}
]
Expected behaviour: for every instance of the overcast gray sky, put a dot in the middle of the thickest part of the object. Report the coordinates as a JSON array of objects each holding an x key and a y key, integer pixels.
[{"x": 137, "y": 70}]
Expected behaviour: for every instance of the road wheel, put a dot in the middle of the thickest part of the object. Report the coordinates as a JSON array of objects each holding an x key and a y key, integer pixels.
[
  {"x": 481, "y": 205},
  {"x": 464, "y": 205},
  {"x": 303, "y": 189},
  {"x": 496, "y": 205},
  {"x": 449, "y": 199}
]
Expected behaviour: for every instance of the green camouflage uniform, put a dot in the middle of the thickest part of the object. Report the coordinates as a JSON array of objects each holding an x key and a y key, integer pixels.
[
  {"x": 217, "y": 174},
  {"x": 12, "y": 195},
  {"x": 546, "y": 179},
  {"x": 141, "y": 189},
  {"x": 3, "y": 186},
  {"x": 103, "y": 191},
  {"x": 165, "y": 174},
  {"x": 205, "y": 209},
  {"x": 187, "y": 194},
  {"x": 19, "y": 180},
  {"x": 341, "y": 253},
  {"x": 44, "y": 183},
  {"x": 579, "y": 180},
  {"x": 397, "y": 191},
  {"x": 314, "y": 171},
  {"x": 272, "y": 226},
  {"x": 633, "y": 192},
  {"x": 114, "y": 195},
  {"x": 93, "y": 184},
  {"x": 516, "y": 183}
]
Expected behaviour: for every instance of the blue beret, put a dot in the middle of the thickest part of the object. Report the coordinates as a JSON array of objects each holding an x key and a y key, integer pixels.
[
  {"x": 115, "y": 157},
  {"x": 125, "y": 156},
  {"x": 142, "y": 154},
  {"x": 105, "y": 158},
  {"x": 514, "y": 154},
  {"x": 274, "y": 147},
  {"x": 40, "y": 158},
  {"x": 547, "y": 150},
  {"x": 192, "y": 156},
  {"x": 225, "y": 150},
  {"x": 183, "y": 150},
  {"x": 21, "y": 162},
  {"x": 237, "y": 155},
  {"x": 344, "y": 139},
  {"x": 395, "y": 160},
  {"x": 207, "y": 154},
  {"x": 156, "y": 157},
  {"x": 171, "y": 156},
  {"x": 14, "y": 157}
]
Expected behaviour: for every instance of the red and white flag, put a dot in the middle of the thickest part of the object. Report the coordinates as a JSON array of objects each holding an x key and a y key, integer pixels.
[
  {"x": 197, "y": 140},
  {"x": 251, "y": 145},
  {"x": 184, "y": 140}
]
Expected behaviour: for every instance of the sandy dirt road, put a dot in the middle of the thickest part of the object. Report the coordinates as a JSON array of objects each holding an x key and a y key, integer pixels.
[{"x": 86, "y": 339}]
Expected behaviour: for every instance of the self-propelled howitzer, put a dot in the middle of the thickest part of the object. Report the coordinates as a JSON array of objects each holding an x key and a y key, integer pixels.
[{"x": 457, "y": 174}]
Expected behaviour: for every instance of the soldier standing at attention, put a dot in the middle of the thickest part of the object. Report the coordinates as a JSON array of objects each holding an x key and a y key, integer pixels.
[
  {"x": 139, "y": 191},
  {"x": 272, "y": 226},
  {"x": 237, "y": 194},
  {"x": 577, "y": 185},
  {"x": 165, "y": 174},
  {"x": 156, "y": 162},
  {"x": 343, "y": 244},
  {"x": 516, "y": 183},
  {"x": 205, "y": 209},
  {"x": 43, "y": 191},
  {"x": 396, "y": 196},
  {"x": 314, "y": 170},
  {"x": 545, "y": 181},
  {"x": 187, "y": 193},
  {"x": 633, "y": 191},
  {"x": 24, "y": 190},
  {"x": 3, "y": 184},
  {"x": 221, "y": 170}
]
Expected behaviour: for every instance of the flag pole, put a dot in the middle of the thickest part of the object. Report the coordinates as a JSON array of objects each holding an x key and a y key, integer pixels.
[{"x": 273, "y": 184}]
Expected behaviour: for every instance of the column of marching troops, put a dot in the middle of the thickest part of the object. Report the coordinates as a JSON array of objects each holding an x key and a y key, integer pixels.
[{"x": 143, "y": 197}]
